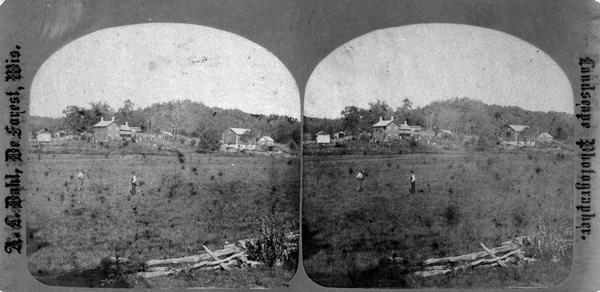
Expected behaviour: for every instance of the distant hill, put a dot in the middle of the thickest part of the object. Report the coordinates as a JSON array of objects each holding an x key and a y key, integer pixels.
[
  {"x": 179, "y": 117},
  {"x": 459, "y": 115}
]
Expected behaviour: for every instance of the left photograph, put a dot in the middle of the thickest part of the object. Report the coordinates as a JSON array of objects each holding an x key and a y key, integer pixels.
[{"x": 163, "y": 155}]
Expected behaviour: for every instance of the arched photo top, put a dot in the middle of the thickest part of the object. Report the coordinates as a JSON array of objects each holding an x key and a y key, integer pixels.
[
  {"x": 428, "y": 62},
  {"x": 160, "y": 62}
]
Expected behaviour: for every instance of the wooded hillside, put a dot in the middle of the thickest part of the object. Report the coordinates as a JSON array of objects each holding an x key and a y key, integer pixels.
[
  {"x": 185, "y": 117},
  {"x": 462, "y": 116}
]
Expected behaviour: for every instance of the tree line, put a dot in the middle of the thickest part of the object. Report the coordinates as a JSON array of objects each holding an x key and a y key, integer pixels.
[
  {"x": 461, "y": 116},
  {"x": 183, "y": 117}
]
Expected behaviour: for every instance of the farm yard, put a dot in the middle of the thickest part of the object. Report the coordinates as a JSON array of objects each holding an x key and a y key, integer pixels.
[
  {"x": 462, "y": 200},
  {"x": 181, "y": 204}
]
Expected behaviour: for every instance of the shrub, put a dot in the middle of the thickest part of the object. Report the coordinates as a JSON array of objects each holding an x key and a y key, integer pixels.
[
  {"x": 550, "y": 240},
  {"x": 451, "y": 213},
  {"x": 270, "y": 246}
]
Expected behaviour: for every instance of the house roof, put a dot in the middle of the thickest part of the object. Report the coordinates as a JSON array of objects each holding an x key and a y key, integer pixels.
[
  {"x": 322, "y": 133},
  {"x": 136, "y": 129},
  {"x": 166, "y": 133},
  {"x": 267, "y": 138},
  {"x": 102, "y": 123},
  {"x": 545, "y": 135},
  {"x": 42, "y": 131},
  {"x": 240, "y": 131},
  {"x": 518, "y": 128},
  {"x": 383, "y": 123}
]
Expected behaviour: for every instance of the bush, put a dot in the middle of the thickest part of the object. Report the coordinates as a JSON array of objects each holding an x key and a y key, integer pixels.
[
  {"x": 549, "y": 240},
  {"x": 451, "y": 213},
  {"x": 270, "y": 246}
]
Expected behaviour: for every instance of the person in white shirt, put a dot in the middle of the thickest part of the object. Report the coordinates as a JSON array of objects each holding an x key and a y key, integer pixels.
[
  {"x": 133, "y": 183},
  {"x": 360, "y": 177},
  {"x": 81, "y": 178},
  {"x": 413, "y": 182}
]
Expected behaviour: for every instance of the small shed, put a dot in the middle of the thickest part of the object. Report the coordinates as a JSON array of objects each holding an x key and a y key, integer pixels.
[
  {"x": 323, "y": 137},
  {"x": 544, "y": 137},
  {"x": 266, "y": 141},
  {"x": 43, "y": 136}
]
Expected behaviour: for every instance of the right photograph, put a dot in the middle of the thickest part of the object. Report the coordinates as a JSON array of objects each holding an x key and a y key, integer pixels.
[{"x": 438, "y": 156}]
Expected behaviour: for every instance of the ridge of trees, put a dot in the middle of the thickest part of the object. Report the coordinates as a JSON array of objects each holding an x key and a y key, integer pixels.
[
  {"x": 181, "y": 117},
  {"x": 462, "y": 116}
]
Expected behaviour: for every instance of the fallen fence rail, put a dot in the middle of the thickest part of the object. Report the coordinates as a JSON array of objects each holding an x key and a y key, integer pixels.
[
  {"x": 509, "y": 252},
  {"x": 232, "y": 255}
]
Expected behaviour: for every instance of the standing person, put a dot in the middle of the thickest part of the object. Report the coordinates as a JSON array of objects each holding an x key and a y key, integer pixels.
[
  {"x": 360, "y": 177},
  {"x": 81, "y": 178},
  {"x": 413, "y": 182},
  {"x": 133, "y": 183}
]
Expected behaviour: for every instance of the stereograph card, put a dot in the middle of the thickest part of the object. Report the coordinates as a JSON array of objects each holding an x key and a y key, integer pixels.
[{"x": 299, "y": 145}]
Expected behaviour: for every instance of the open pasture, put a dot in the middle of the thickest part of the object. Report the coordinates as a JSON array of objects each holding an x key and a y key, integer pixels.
[
  {"x": 462, "y": 200},
  {"x": 181, "y": 204}
]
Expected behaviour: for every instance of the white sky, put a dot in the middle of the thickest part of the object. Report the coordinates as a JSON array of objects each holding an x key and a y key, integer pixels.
[
  {"x": 161, "y": 62},
  {"x": 428, "y": 62}
]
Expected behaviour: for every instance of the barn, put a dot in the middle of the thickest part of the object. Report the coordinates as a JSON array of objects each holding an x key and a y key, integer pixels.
[
  {"x": 43, "y": 136},
  {"x": 515, "y": 131},
  {"x": 106, "y": 130},
  {"x": 235, "y": 136}
]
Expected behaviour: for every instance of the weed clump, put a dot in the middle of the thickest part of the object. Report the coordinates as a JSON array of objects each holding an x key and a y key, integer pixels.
[
  {"x": 550, "y": 241},
  {"x": 271, "y": 246},
  {"x": 452, "y": 214}
]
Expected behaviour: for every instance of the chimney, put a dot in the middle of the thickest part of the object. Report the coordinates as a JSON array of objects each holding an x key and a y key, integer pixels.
[
  {"x": 380, "y": 119},
  {"x": 406, "y": 122},
  {"x": 102, "y": 119},
  {"x": 127, "y": 124},
  {"x": 113, "y": 119},
  {"x": 392, "y": 118}
]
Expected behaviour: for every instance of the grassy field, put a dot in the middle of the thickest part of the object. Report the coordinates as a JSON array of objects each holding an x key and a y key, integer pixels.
[
  {"x": 181, "y": 204},
  {"x": 462, "y": 200}
]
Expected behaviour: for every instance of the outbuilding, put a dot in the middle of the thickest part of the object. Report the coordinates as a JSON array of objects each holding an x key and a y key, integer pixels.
[
  {"x": 266, "y": 141},
  {"x": 106, "y": 130},
  {"x": 323, "y": 137},
  {"x": 43, "y": 136},
  {"x": 544, "y": 137},
  {"x": 235, "y": 136}
]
